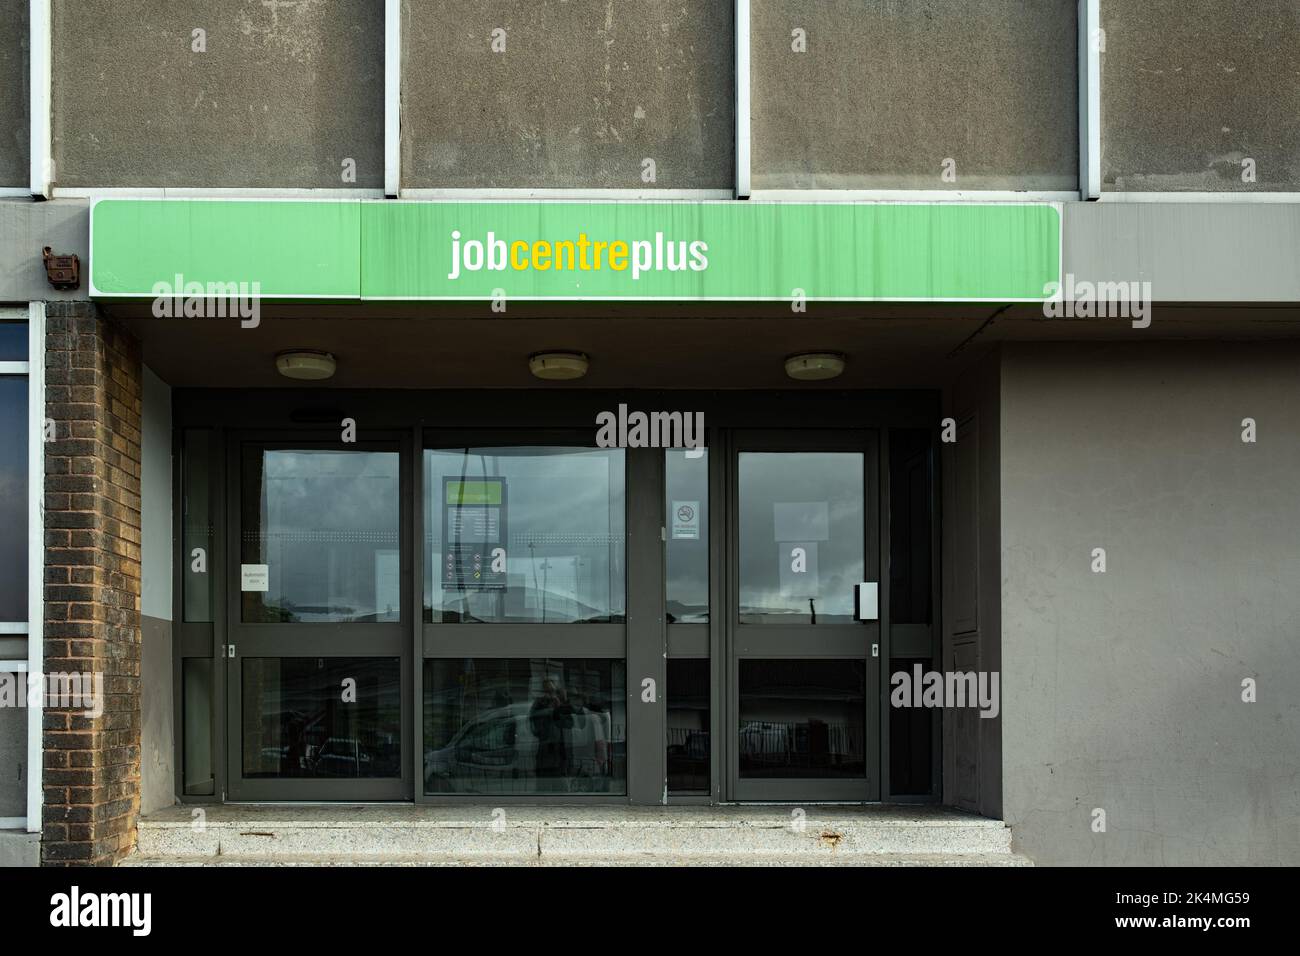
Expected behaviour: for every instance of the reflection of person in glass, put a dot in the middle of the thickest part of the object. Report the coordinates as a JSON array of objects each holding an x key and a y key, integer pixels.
[{"x": 550, "y": 717}]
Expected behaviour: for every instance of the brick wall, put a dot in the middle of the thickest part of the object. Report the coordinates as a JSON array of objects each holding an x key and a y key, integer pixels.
[{"x": 92, "y": 584}]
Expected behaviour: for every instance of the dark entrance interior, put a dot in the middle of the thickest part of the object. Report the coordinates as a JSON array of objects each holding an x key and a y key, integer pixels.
[{"x": 463, "y": 598}]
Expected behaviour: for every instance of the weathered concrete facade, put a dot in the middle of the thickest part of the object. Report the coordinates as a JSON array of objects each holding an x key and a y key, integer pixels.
[{"x": 1123, "y": 690}]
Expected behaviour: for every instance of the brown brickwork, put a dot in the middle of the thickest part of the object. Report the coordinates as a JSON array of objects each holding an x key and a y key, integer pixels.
[{"x": 92, "y": 584}]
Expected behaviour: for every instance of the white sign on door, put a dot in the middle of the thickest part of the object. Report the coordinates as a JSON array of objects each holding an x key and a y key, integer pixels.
[{"x": 254, "y": 577}]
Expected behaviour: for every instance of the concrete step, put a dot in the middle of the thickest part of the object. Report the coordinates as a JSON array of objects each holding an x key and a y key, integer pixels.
[
  {"x": 529, "y": 835},
  {"x": 819, "y": 859}
]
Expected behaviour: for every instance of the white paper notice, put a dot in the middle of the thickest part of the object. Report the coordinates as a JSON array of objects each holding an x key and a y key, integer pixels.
[
  {"x": 686, "y": 520},
  {"x": 254, "y": 577}
]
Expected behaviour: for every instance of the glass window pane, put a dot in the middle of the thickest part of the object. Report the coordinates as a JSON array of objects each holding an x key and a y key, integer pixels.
[
  {"x": 688, "y": 725},
  {"x": 804, "y": 719},
  {"x": 801, "y": 531},
  {"x": 13, "y": 341},
  {"x": 196, "y": 707},
  {"x": 524, "y": 726},
  {"x": 686, "y": 476},
  {"x": 13, "y": 497},
  {"x": 529, "y": 534},
  {"x": 296, "y": 722},
  {"x": 198, "y": 462},
  {"x": 321, "y": 538}
]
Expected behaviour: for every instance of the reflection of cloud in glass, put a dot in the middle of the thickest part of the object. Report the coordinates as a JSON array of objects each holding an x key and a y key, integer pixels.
[
  {"x": 564, "y": 528},
  {"x": 771, "y": 478},
  {"x": 326, "y": 518}
]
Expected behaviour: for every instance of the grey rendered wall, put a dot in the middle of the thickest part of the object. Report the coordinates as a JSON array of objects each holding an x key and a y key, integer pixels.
[
  {"x": 889, "y": 89},
  {"x": 15, "y": 86},
  {"x": 13, "y": 752},
  {"x": 284, "y": 94},
  {"x": 1122, "y": 691},
  {"x": 1190, "y": 88},
  {"x": 972, "y": 745},
  {"x": 583, "y": 93},
  {"x": 157, "y": 735}
]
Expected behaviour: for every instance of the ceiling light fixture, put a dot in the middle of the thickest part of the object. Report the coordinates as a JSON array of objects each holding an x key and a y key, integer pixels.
[
  {"x": 558, "y": 366},
  {"x": 814, "y": 366},
  {"x": 306, "y": 365}
]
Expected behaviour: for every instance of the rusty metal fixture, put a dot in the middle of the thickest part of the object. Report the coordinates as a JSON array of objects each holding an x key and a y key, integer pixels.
[{"x": 64, "y": 272}]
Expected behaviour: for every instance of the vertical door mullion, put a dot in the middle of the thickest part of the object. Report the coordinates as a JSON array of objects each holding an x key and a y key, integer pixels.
[
  {"x": 647, "y": 635},
  {"x": 415, "y": 525}
]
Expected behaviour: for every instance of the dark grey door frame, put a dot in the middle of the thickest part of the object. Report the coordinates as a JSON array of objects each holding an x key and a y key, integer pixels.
[
  {"x": 314, "y": 640},
  {"x": 853, "y": 640}
]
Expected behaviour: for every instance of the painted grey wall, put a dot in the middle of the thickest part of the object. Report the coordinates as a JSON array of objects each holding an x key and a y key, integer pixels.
[
  {"x": 15, "y": 93},
  {"x": 1189, "y": 252},
  {"x": 888, "y": 90},
  {"x": 157, "y": 734},
  {"x": 19, "y": 849},
  {"x": 582, "y": 94},
  {"x": 284, "y": 93},
  {"x": 1122, "y": 691},
  {"x": 26, "y": 228},
  {"x": 971, "y": 597},
  {"x": 1190, "y": 88},
  {"x": 13, "y": 752}
]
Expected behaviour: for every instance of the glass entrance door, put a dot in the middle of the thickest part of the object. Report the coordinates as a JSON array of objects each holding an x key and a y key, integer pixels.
[
  {"x": 523, "y": 679},
  {"x": 803, "y": 686},
  {"x": 318, "y": 659}
]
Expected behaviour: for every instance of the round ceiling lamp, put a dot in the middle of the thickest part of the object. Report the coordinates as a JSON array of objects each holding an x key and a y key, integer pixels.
[
  {"x": 558, "y": 366},
  {"x": 306, "y": 365},
  {"x": 814, "y": 366}
]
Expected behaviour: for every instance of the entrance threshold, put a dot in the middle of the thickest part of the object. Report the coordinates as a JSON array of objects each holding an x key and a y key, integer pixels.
[{"x": 531, "y": 835}]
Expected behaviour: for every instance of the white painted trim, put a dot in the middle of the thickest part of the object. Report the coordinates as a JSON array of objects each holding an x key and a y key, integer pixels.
[
  {"x": 13, "y": 667},
  {"x": 331, "y": 194},
  {"x": 9, "y": 312},
  {"x": 40, "y": 139},
  {"x": 969, "y": 196},
  {"x": 13, "y": 627},
  {"x": 585, "y": 195},
  {"x": 1223, "y": 198},
  {"x": 23, "y": 192},
  {"x": 15, "y": 368},
  {"x": 35, "y": 549},
  {"x": 1090, "y": 43},
  {"x": 743, "y": 112},
  {"x": 13, "y": 823},
  {"x": 392, "y": 97}
]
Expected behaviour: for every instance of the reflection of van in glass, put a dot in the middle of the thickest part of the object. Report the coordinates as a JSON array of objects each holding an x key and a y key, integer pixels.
[{"x": 499, "y": 752}]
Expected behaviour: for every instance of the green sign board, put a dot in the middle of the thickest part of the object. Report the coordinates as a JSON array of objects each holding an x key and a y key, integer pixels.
[{"x": 596, "y": 250}]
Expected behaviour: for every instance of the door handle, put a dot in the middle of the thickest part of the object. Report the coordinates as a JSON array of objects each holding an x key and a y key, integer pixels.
[{"x": 867, "y": 599}]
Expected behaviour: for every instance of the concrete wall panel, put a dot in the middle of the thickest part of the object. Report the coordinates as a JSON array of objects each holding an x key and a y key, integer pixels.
[
  {"x": 15, "y": 93},
  {"x": 1123, "y": 690},
  {"x": 1190, "y": 88},
  {"x": 285, "y": 92},
  {"x": 889, "y": 89},
  {"x": 582, "y": 94}
]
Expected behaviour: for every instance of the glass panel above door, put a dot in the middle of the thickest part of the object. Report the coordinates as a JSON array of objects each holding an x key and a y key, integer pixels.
[
  {"x": 320, "y": 536},
  {"x": 801, "y": 536},
  {"x": 524, "y": 535}
]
